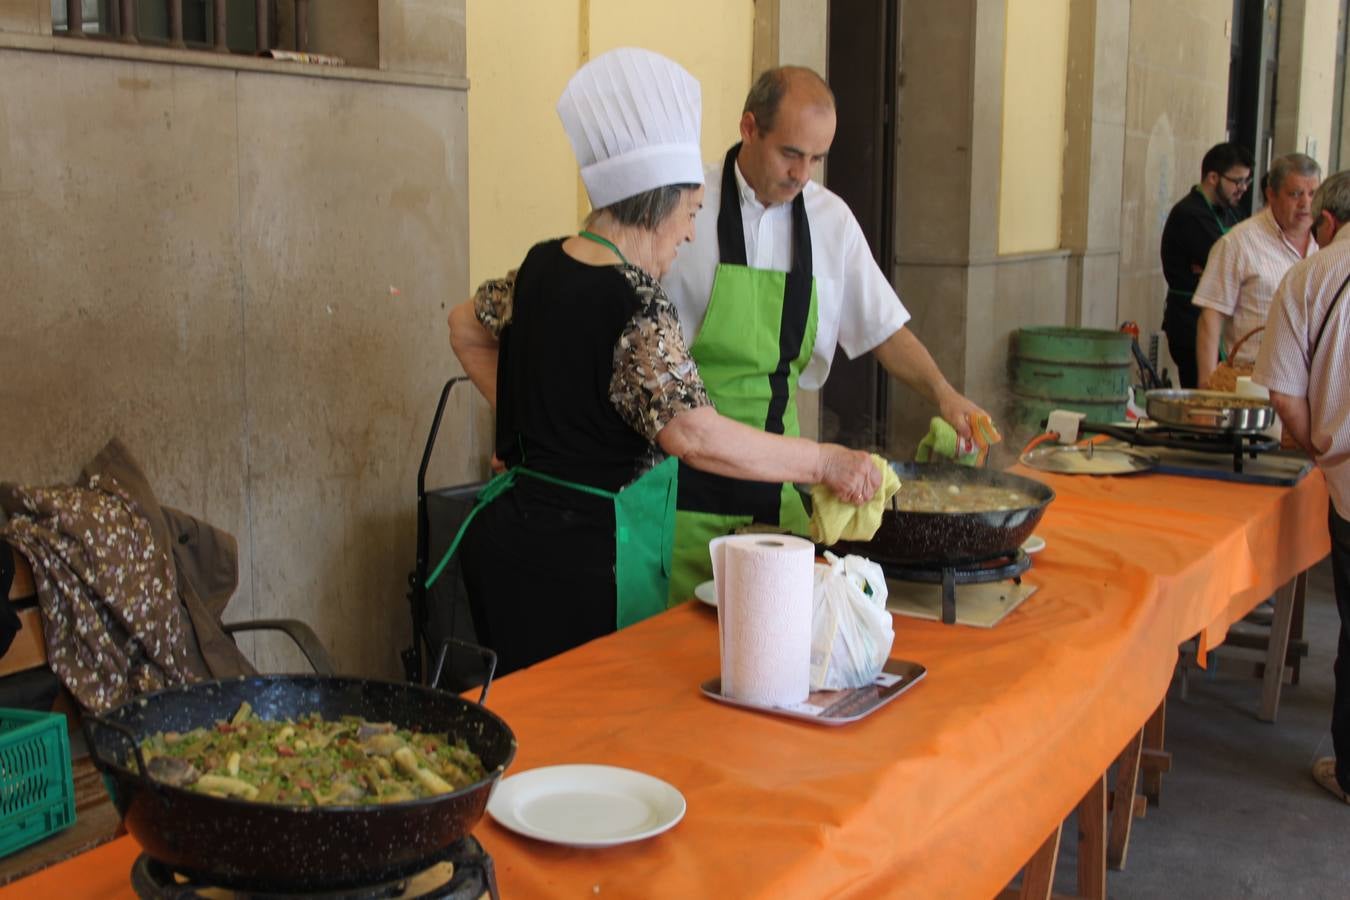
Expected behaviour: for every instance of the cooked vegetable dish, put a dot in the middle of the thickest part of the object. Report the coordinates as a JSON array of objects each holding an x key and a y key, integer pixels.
[
  {"x": 917, "y": 495},
  {"x": 311, "y": 761}
]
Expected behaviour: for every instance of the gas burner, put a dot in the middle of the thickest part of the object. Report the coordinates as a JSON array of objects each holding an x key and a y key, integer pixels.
[
  {"x": 1003, "y": 567},
  {"x": 463, "y": 872},
  {"x": 1241, "y": 445}
]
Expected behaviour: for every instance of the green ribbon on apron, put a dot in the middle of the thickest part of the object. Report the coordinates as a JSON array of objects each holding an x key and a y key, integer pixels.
[
  {"x": 756, "y": 338},
  {"x": 644, "y": 528}
]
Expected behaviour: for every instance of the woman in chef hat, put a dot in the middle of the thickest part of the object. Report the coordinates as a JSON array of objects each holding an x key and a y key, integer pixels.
[{"x": 596, "y": 395}]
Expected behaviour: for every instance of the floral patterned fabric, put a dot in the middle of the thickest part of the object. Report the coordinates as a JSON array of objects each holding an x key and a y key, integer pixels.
[
  {"x": 112, "y": 620},
  {"x": 655, "y": 379}
]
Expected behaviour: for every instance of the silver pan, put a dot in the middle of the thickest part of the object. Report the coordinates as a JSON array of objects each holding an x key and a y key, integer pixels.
[{"x": 1212, "y": 411}]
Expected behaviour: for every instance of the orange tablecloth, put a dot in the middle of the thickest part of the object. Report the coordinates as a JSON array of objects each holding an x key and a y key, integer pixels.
[
  {"x": 947, "y": 791},
  {"x": 1216, "y": 548}
]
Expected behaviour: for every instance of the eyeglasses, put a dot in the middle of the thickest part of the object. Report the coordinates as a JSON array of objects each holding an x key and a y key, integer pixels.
[{"x": 1237, "y": 182}]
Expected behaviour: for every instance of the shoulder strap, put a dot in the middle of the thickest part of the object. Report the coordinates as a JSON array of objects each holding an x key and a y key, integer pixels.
[
  {"x": 1326, "y": 319},
  {"x": 730, "y": 227}
]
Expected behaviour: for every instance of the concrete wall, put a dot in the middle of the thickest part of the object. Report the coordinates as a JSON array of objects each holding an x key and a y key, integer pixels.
[
  {"x": 1093, "y": 158},
  {"x": 243, "y": 271},
  {"x": 1176, "y": 108},
  {"x": 349, "y": 30},
  {"x": 26, "y": 16},
  {"x": 1034, "y": 58},
  {"x": 422, "y": 36},
  {"x": 949, "y": 133},
  {"x": 1305, "y": 77}
]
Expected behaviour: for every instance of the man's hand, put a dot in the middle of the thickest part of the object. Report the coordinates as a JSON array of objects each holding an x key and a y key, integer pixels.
[
  {"x": 850, "y": 474},
  {"x": 958, "y": 412}
]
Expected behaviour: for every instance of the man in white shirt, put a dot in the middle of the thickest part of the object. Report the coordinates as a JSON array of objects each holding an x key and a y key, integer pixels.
[
  {"x": 1302, "y": 362},
  {"x": 779, "y": 274},
  {"x": 1247, "y": 263}
]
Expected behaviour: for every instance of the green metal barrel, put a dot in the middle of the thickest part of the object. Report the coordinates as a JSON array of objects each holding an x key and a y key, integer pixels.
[{"x": 1082, "y": 369}]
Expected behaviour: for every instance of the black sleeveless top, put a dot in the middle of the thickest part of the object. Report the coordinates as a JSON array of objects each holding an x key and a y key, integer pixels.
[{"x": 555, "y": 364}]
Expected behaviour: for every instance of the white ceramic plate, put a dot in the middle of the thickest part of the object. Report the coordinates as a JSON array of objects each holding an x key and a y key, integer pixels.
[
  {"x": 586, "y": 806},
  {"x": 707, "y": 592},
  {"x": 1033, "y": 544}
]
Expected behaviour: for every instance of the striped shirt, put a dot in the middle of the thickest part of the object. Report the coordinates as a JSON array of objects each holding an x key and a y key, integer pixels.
[
  {"x": 1293, "y": 362},
  {"x": 1244, "y": 268}
]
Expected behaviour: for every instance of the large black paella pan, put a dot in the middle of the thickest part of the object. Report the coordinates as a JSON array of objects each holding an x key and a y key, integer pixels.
[
  {"x": 245, "y": 845},
  {"x": 942, "y": 538}
]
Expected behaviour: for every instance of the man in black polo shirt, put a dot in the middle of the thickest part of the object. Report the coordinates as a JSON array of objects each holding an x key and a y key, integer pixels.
[{"x": 1194, "y": 224}]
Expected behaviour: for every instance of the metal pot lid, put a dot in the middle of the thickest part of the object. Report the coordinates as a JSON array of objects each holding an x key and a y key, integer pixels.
[{"x": 1089, "y": 460}]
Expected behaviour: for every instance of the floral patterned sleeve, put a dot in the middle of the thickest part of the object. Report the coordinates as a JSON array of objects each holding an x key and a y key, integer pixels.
[
  {"x": 492, "y": 302},
  {"x": 655, "y": 379}
]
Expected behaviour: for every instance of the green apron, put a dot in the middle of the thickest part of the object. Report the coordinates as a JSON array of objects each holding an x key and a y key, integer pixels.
[
  {"x": 644, "y": 524},
  {"x": 644, "y": 527},
  {"x": 756, "y": 338}
]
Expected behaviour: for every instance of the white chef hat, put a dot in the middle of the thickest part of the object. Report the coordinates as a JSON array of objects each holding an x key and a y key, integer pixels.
[{"x": 633, "y": 119}]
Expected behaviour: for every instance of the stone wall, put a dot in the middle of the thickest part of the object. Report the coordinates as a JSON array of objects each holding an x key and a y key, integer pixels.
[
  {"x": 243, "y": 271},
  {"x": 1176, "y": 109}
]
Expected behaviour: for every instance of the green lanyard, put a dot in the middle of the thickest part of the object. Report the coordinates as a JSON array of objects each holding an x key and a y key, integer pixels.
[
  {"x": 1223, "y": 229},
  {"x": 592, "y": 236}
]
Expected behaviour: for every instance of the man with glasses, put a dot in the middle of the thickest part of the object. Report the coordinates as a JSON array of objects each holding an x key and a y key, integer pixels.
[
  {"x": 1302, "y": 362},
  {"x": 1193, "y": 226},
  {"x": 1247, "y": 263}
]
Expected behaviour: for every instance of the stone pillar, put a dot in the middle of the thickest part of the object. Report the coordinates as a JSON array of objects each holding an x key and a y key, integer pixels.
[
  {"x": 1303, "y": 81},
  {"x": 790, "y": 32},
  {"x": 950, "y": 136},
  {"x": 1094, "y": 118}
]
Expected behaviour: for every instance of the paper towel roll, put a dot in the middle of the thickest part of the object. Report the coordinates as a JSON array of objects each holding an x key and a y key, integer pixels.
[{"x": 764, "y": 586}]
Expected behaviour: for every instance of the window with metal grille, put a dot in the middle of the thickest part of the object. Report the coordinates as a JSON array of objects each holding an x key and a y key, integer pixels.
[{"x": 233, "y": 26}]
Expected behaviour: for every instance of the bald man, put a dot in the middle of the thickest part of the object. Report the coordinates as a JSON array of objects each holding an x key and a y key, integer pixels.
[{"x": 778, "y": 275}]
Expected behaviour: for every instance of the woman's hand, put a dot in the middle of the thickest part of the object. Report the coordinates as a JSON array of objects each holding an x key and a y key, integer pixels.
[{"x": 850, "y": 474}]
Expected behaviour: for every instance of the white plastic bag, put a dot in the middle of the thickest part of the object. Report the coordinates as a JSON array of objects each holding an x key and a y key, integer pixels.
[{"x": 851, "y": 631}]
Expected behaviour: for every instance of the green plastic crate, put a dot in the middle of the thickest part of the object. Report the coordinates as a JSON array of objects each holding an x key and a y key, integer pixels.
[{"x": 37, "y": 785}]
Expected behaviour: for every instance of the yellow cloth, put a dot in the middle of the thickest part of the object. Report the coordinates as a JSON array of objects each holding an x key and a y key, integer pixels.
[
  {"x": 834, "y": 520},
  {"x": 941, "y": 445}
]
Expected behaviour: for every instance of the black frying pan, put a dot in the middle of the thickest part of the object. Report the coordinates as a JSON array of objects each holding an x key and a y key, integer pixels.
[
  {"x": 955, "y": 538},
  {"x": 253, "y": 846}
]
